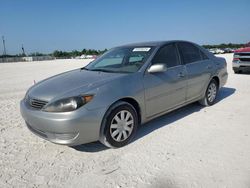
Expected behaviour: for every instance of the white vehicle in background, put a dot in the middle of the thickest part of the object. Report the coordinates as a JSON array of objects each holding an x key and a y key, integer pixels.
[
  {"x": 219, "y": 51},
  {"x": 83, "y": 56},
  {"x": 89, "y": 57},
  {"x": 216, "y": 51},
  {"x": 212, "y": 50}
]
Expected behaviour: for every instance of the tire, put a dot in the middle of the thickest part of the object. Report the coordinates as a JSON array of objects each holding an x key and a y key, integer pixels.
[
  {"x": 236, "y": 72},
  {"x": 118, "y": 131},
  {"x": 211, "y": 94}
]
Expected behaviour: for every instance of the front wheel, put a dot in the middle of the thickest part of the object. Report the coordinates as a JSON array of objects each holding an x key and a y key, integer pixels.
[
  {"x": 120, "y": 125},
  {"x": 211, "y": 94}
]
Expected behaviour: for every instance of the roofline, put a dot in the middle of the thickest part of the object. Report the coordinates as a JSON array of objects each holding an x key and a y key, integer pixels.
[{"x": 151, "y": 43}]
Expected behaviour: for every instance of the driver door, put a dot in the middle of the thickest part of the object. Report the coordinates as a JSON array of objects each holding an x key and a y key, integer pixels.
[{"x": 165, "y": 90}]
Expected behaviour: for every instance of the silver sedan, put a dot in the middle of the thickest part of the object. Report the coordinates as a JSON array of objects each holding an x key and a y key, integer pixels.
[{"x": 125, "y": 87}]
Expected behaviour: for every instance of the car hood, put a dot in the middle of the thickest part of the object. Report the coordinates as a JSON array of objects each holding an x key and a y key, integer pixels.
[
  {"x": 247, "y": 49},
  {"x": 61, "y": 84}
]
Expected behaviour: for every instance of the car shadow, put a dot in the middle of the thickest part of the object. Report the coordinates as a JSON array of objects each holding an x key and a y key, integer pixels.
[
  {"x": 90, "y": 147},
  {"x": 178, "y": 114},
  {"x": 167, "y": 119},
  {"x": 244, "y": 72},
  {"x": 159, "y": 122}
]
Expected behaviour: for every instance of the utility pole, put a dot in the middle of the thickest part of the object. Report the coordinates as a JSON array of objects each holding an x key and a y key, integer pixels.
[
  {"x": 4, "y": 48},
  {"x": 23, "y": 51}
]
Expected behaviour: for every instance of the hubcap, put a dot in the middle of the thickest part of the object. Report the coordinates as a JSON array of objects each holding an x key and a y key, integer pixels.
[
  {"x": 122, "y": 126},
  {"x": 211, "y": 94}
]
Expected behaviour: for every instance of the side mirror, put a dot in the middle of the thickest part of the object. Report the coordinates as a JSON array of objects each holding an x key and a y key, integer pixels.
[{"x": 157, "y": 68}]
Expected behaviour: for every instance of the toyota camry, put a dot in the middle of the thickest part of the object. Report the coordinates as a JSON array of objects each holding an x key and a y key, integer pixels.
[{"x": 125, "y": 87}]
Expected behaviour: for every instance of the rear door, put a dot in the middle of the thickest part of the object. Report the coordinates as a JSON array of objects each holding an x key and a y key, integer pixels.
[
  {"x": 165, "y": 90},
  {"x": 198, "y": 68}
]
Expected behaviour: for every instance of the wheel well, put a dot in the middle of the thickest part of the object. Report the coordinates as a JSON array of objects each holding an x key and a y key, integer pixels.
[
  {"x": 135, "y": 104},
  {"x": 217, "y": 80}
]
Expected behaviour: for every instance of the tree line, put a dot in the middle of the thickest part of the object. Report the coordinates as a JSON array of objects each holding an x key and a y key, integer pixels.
[
  {"x": 61, "y": 54},
  {"x": 229, "y": 45},
  {"x": 75, "y": 53}
]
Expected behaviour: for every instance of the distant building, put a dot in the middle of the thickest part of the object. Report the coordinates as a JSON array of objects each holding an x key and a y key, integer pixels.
[{"x": 23, "y": 59}]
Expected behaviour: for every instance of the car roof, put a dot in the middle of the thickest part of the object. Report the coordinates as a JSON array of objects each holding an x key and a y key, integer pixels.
[{"x": 151, "y": 43}]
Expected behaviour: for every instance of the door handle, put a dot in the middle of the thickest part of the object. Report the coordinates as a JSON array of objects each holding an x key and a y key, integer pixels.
[
  {"x": 181, "y": 74},
  {"x": 209, "y": 66}
]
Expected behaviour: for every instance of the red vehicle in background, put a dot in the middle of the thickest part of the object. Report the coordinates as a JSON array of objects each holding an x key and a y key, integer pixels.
[{"x": 241, "y": 59}]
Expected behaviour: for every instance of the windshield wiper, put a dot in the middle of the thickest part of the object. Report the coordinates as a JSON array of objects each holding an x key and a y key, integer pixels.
[
  {"x": 101, "y": 70},
  {"x": 84, "y": 68},
  {"x": 104, "y": 70}
]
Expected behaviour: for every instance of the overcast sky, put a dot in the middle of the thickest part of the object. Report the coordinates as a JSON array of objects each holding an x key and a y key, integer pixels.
[{"x": 48, "y": 25}]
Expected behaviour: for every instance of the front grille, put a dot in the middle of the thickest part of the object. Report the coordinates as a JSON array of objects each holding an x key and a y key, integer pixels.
[
  {"x": 242, "y": 54},
  {"x": 245, "y": 59},
  {"x": 36, "y": 103}
]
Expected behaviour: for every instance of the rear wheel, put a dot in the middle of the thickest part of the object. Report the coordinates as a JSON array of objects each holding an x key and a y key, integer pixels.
[
  {"x": 211, "y": 94},
  {"x": 120, "y": 125}
]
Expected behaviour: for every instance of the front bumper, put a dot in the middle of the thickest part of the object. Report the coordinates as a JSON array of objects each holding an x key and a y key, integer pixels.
[
  {"x": 241, "y": 65},
  {"x": 68, "y": 128}
]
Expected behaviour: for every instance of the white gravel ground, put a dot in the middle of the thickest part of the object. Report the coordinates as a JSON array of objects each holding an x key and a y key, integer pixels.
[{"x": 190, "y": 147}]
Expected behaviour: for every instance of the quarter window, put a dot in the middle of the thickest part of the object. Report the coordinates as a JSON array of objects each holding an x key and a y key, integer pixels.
[
  {"x": 167, "y": 55},
  {"x": 203, "y": 55},
  {"x": 189, "y": 52}
]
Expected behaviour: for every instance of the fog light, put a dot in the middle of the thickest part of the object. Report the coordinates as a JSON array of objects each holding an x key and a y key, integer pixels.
[{"x": 62, "y": 136}]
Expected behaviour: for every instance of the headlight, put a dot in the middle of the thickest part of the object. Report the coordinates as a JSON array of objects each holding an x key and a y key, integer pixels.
[
  {"x": 68, "y": 104},
  {"x": 26, "y": 96}
]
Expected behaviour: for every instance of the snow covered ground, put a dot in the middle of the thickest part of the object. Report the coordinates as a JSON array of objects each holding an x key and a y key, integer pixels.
[{"x": 190, "y": 147}]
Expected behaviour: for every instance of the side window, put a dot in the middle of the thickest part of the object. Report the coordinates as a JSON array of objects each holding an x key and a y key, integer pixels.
[
  {"x": 167, "y": 55},
  {"x": 189, "y": 52}
]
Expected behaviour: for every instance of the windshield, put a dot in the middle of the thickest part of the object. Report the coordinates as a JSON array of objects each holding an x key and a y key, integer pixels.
[{"x": 121, "y": 60}]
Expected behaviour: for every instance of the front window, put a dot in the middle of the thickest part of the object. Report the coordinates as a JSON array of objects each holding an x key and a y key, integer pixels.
[
  {"x": 121, "y": 60},
  {"x": 167, "y": 55}
]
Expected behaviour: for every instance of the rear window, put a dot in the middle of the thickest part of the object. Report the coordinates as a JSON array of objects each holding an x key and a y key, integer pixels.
[{"x": 189, "y": 52}]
